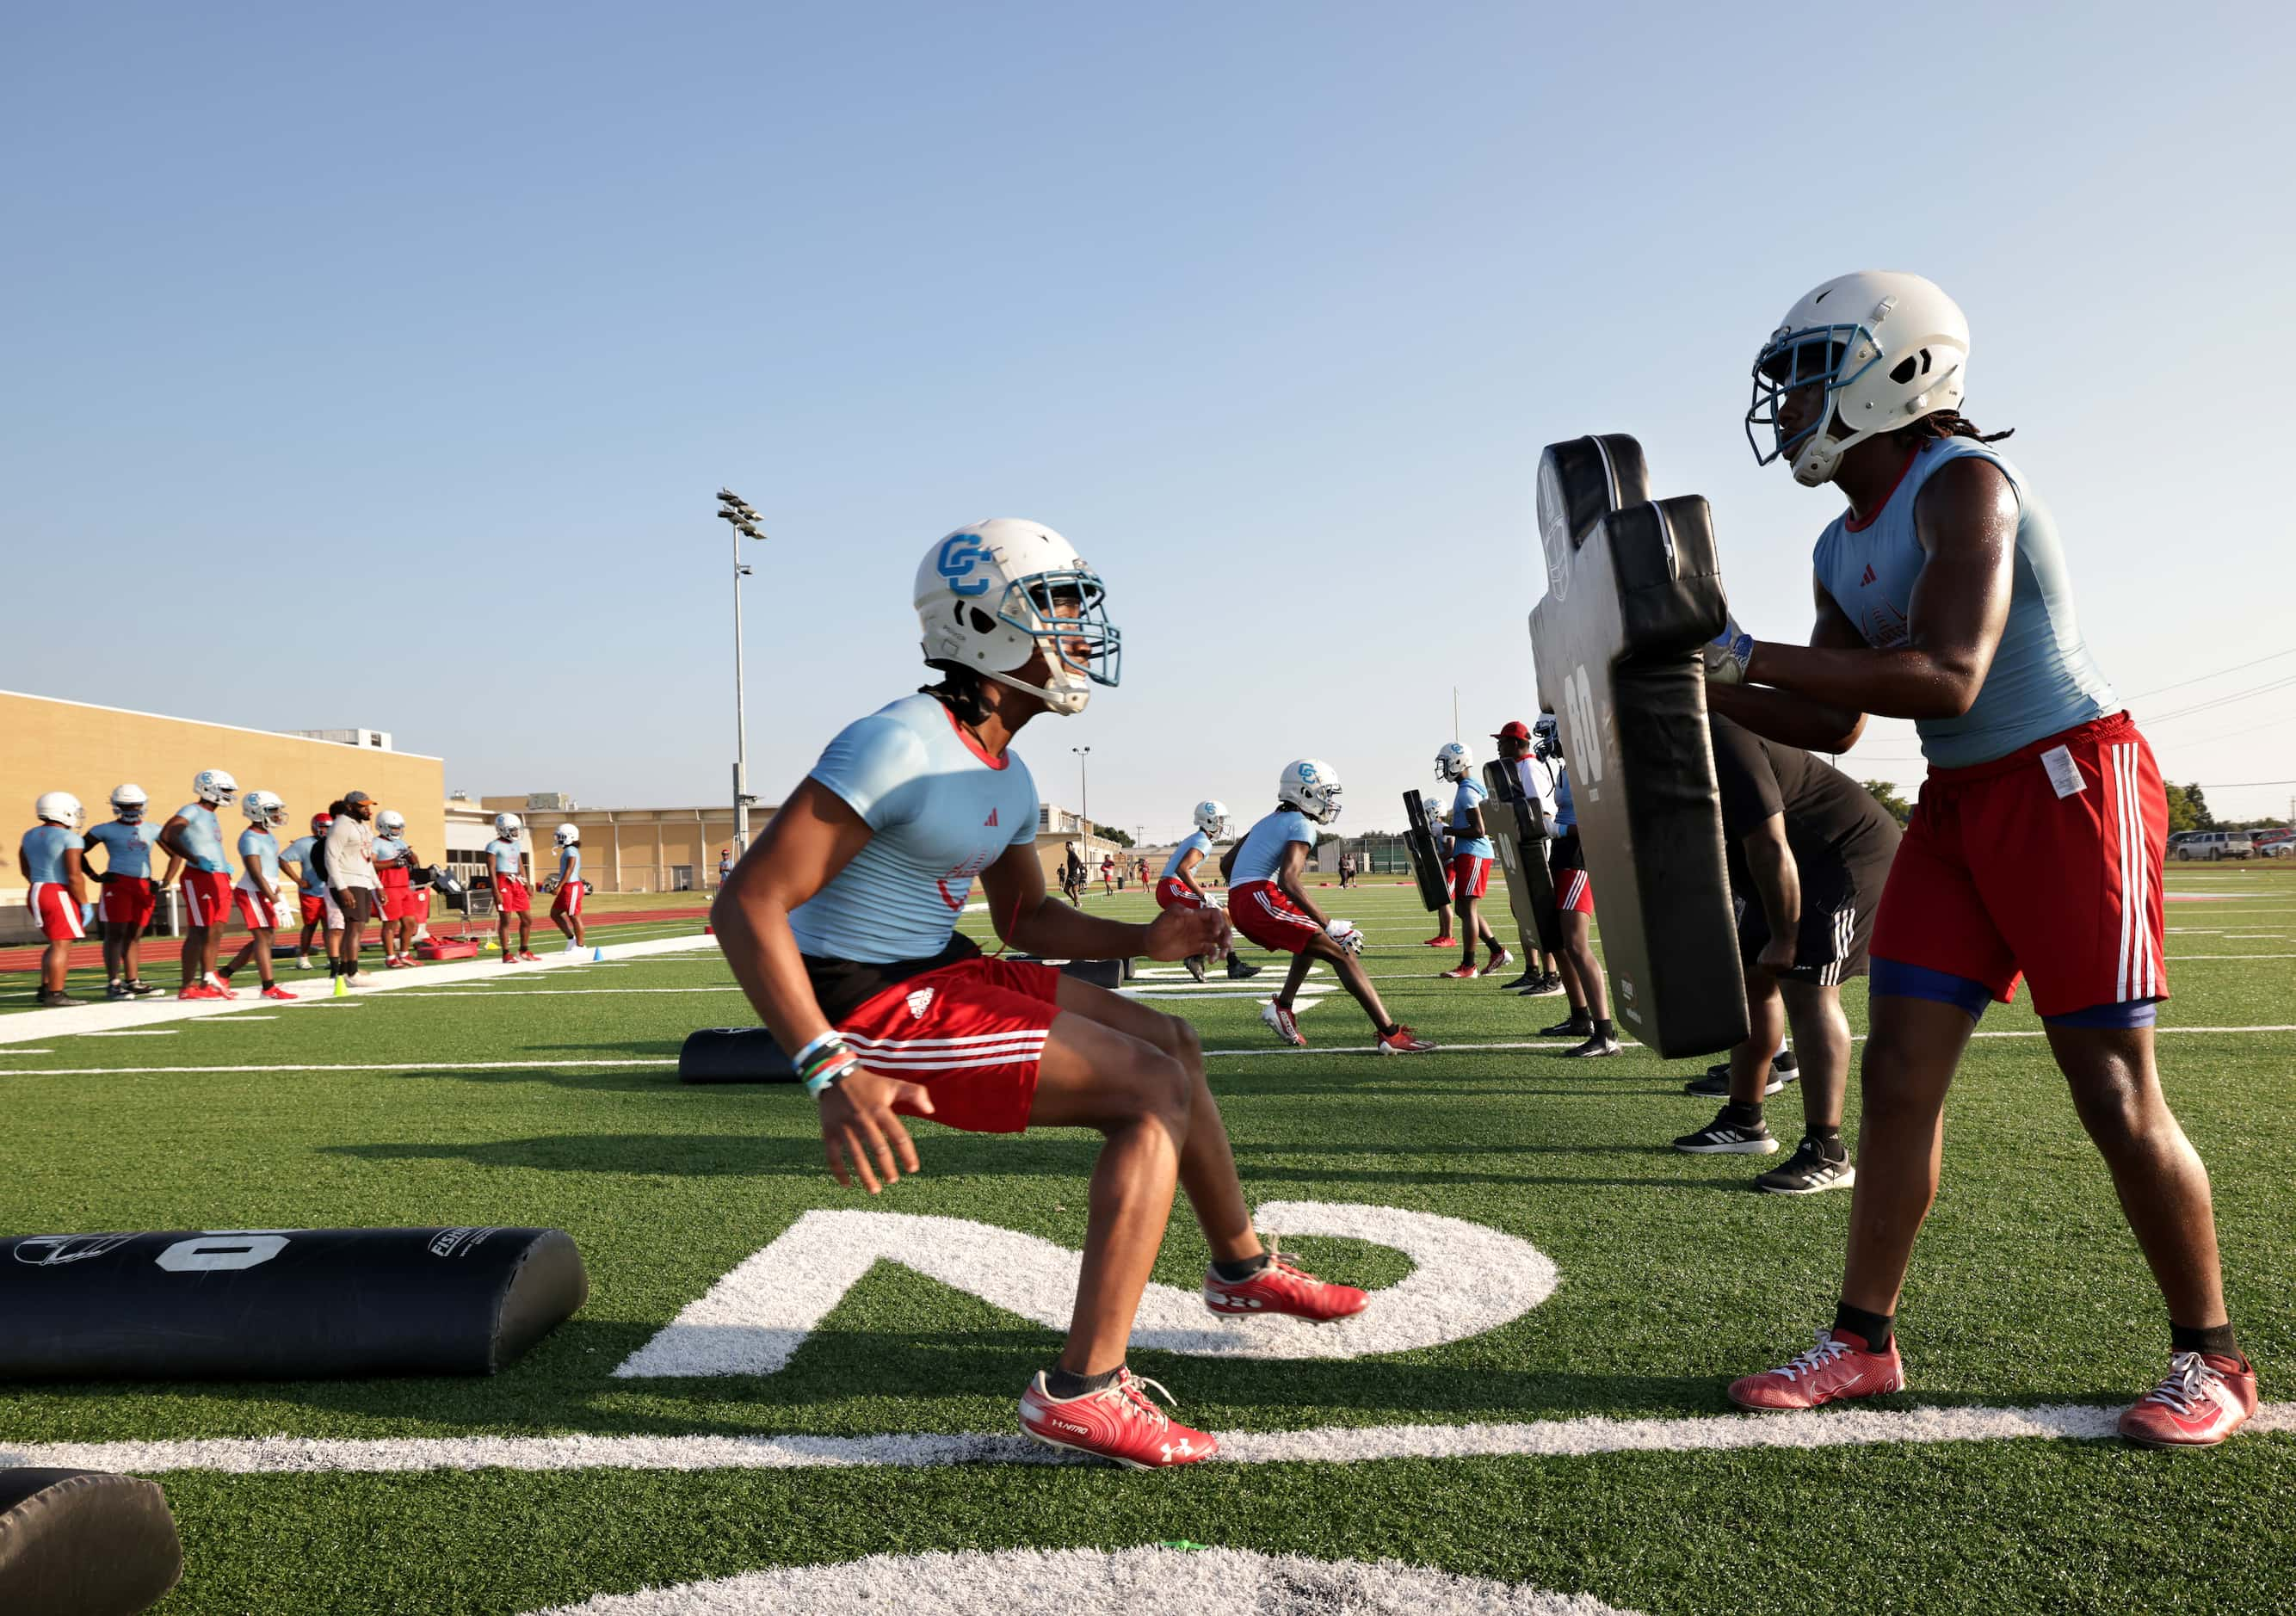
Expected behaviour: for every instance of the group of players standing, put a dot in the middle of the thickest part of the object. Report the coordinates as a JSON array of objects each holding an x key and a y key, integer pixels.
[{"x": 353, "y": 867}]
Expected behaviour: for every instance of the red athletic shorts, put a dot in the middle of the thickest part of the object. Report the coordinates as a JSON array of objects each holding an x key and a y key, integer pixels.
[
  {"x": 1471, "y": 877},
  {"x": 972, "y": 1033},
  {"x": 1172, "y": 893},
  {"x": 1259, "y": 910},
  {"x": 260, "y": 915},
  {"x": 314, "y": 910},
  {"x": 2036, "y": 863},
  {"x": 568, "y": 899},
  {"x": 407, "y": 903},
  {"x": 207, "y": 897},
  {"x": 511, "y": 897},
  {"x": 51, "y": 903},
  {"x": 127, "y": 900}
]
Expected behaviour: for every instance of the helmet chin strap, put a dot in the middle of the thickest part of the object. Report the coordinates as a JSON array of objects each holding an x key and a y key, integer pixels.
[{"x": 1064, "y": 699}]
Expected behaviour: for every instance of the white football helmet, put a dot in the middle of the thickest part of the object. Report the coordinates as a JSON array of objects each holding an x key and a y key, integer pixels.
[
  {"x": 214, "y": 786},
  {"x": 1546, "y": 736},
  {"x": 58, "y": 807},
  {"x": 1211, "y": 818},
  {"x": 129, "y": 801},
  {"x": 1889, "y": 348},
  {"x": 1312, "y": 787},
  {"x": 565, "y": 836},
  {"x": 391, "y": 823},
  {"x": 264, "y": 808},
  {"x": 988, "y": 597},
  {"x": 507, "y": 826},
  {"x": 1453, "y": 760}
]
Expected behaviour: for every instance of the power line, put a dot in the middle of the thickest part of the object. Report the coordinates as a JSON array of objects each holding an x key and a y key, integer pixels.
[
  {"x": 2216, "y": 702},
  {"x": 2200, "y": 677}
]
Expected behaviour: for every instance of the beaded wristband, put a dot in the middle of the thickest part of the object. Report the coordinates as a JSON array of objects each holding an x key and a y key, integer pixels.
[{"x": 832, "y": 1071}]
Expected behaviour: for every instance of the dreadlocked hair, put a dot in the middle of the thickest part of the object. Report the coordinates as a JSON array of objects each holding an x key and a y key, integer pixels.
[
  {"x": 959, "y": 690},
  {"x": 1945, "y": 423}
]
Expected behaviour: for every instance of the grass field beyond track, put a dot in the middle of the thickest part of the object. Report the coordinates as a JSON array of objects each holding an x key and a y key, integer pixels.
[{"x": 471, "y": 1104}]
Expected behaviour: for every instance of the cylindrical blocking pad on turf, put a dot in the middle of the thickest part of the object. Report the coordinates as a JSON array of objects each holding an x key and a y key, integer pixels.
[
  {"x": 1632, "y": 596},
  {"x": 734, "y": 1054},
  {"x": 284, "y": 1304},
  {"x": 84, "y": 1543},
  {"x": 1427, "y": 869}
]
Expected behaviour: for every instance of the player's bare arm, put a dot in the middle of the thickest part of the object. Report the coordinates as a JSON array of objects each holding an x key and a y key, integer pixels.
[
  {"x": 1186, "y": 871},
  {"x": 1026, "y": 917},
  {"x": 1966, "y": 522},
  {"x": 171, "y": 839},
  {"x": 1288, "y": 882},
  {"x": 803, "y": 847},
  {"x": 1777, "y": 883}
]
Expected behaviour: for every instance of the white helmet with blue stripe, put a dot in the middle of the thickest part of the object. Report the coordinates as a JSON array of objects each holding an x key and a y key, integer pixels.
[
  {"x": 1211, "y": 818},
  {"x": 1453, "y": 760},
  {"x": 264, "y": 808},
  {"x": 991, "y": 596},
  {"x": 1887, "y": 347},
  {"x": 214, "y": 786},
  {"x": 1312, "y": 787}
]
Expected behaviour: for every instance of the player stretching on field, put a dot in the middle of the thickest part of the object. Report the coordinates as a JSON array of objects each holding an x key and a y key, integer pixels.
[
  {"x": 841, "y": 924},
  {"x": 127, "y": 898},
  {"x": 195, "y": 836},
  {"x": 1178, "y": 889},
  {"x": 50, "y": 857},
  {"x": 2036, "y": 846},
  {"x": 514, "y": 897},
  {"x": 1269, "y": 902},
  {"x": 566, "y": 885},
  {"x": 259, "y": 891},
  {"x": 1470, "y": 859}
]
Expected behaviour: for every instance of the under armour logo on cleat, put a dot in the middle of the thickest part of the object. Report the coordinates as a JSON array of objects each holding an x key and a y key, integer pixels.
[{"x": 918, "y": 1000}]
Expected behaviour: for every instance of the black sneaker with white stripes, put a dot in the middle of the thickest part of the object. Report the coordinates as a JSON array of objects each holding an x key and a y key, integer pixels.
[
  {"x": 1539, "y": 987},
  {"x": 1716, "y": 1084},
  {"x": 1724, "y": 1137},
  {"x": 1238, "y": 970},
  {"x": 1570, "y": 1027},
  {"x": 1812, "y": 1167},
  {"x": 1595, "y": 1047}
]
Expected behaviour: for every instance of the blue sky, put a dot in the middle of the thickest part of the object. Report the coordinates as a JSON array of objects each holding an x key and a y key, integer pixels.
[{"x": 462, "y": 315}]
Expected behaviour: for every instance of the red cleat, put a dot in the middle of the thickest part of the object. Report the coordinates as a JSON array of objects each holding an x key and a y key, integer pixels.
[
  {"x": 1839, "y": 1366},
  {"x": 1282, "y": 1287},
  {"x": 525, "y": 958},
  {"x": 1496, "y": 962},
  {"x": 276, "y": 991},
  {"x": 1121, "y": 1424},
  {"x": 1458, "y": 973},
  {"x": 1403, "y": 1041},
  {"x": 396, "y": 962},
  {"x": 1444, "y": 942},
  {"x": 1284, "y": 1024},
  {"x": 200, "y": 990},
  {"x": 2206, "y": 1398}
]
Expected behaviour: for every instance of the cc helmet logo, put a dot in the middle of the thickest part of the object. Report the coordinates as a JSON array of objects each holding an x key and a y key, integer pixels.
[
  {"x": 960, "y": 552},
  {"x": 1308, "y": 773}
]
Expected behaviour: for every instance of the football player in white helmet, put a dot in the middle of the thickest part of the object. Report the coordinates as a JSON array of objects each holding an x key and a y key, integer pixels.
[
  {"x": 50, "y": 857},
  {"x": 1178, "y": 888},
  {"x": 566, "y": 887},
  {"x": 513, "y": 891},
  {"x": 306, "y": 856},
  {"x": 399, "y": 902},
  {"x": 1944, "y": 596},
  {"x": 841, "y": 927},
  {"x": 259, "y": 892},
  {"x": 1471, "y": 860},
  {"x": 1269, "y": 902},
  {"x": 126, "y": 897},
  {"x": 194, "y": 837}
]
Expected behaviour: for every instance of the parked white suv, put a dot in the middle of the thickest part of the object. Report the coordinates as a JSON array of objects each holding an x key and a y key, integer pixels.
[{"x": 2215, "y": 844}]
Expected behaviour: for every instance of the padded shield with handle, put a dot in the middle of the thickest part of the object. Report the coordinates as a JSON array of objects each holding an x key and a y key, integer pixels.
[
  {"x": 1520, "y": 835},
  {"x": 1426, "y": 849},
  {"x": 1633, "y": 591}
]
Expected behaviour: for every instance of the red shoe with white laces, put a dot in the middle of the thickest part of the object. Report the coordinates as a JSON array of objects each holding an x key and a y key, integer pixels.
[
  {"x": 1120, "y": 1422},
  {"x": 1282, "y": 1287},
  {"x": 1458, "y": 973},
  {"x": 528, "y": 959},
  {"x": 1839, "y": 1366},
  {"x": 2206, "y": 1398},
  {"x": 1284, "y": 1024},
  {"x": 1444, "y": 942},
  {"x": 276, "y": 991},
  {"x": 1403, "y": 1041},
  {"x": 1502, "y": 958}
]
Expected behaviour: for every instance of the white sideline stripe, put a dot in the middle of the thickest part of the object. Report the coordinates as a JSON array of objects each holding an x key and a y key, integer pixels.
[
  {"x": 133, "y": 1032},
  {"x": 86, "y": 1019},
  {"x": 1328, "y": 1445},
  {"x": 8, "y": 1052},
  {"x": 1568, "y": 1043}
]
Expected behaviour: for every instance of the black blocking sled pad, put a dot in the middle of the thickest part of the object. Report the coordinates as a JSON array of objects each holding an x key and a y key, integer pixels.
[
  {"x": 1633, "y": 592},
  {"x": 1520, "y": 837},
  {"x": 281, "y": 1304},
  {"x": 84, "y": 1543},
  {"x": 1427, "y": 865}
]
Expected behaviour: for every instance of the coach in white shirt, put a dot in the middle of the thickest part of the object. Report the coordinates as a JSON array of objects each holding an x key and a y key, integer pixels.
[{"x": 351, "y": 874}]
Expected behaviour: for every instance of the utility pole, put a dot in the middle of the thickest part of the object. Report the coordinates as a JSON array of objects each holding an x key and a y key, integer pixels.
[
  {"x": 735, "y": 511},
  {"x": 1084, "y": 791}
]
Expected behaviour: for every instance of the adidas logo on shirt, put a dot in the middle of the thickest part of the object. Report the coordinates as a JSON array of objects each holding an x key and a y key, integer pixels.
[
  {"x": 1861, "y": 582},
  {"x": 991, "y": 820}
]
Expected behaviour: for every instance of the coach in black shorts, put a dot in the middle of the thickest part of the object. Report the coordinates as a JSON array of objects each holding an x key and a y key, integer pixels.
[{"x": 1809, "y": 848}]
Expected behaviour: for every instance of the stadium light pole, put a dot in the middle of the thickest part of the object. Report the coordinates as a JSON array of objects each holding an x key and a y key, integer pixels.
[
  {"x": 735, "y": 512},
  {"x": 1083, "y": 792}
]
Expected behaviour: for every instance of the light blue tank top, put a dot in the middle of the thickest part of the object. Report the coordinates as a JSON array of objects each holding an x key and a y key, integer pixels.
[
  {"x": 203, "y": 838},
  {"x": 2043, "y": 680},
  {"x": 309, "y": 854},
  {"x": 1566, "y": 812},
  {"x": 569, "y": 865},
  {"x": 44, "y": 847},
  {"x": 939, "y": 814},
  {"x": 127, "y": 847},
  {"x": 259, "y": 850},
  {"x": 1262, "y": 852},
  {"x": 1464, "y": 800},
  {"x": 1194, "y": 842}
]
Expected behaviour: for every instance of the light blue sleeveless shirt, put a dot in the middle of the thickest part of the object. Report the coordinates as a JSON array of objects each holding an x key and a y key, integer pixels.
[
  {"x": 940, "y": 814},
  {"x": 1468, "y": 797},
  {"x": 203, "y": 839},
  {"x": 1194, "y": 842},
  {"x": 1262, "y": 852},
  {"x": 43, "y": 850},
  {"x": 2043, "y": 680}
]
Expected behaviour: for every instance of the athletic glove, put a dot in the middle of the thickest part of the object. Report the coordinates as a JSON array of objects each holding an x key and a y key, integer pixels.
[
  {"x": 87, "y": 916},
  {"x": 1346, "y": 934},
  {"x": 1728, "y": 654}
]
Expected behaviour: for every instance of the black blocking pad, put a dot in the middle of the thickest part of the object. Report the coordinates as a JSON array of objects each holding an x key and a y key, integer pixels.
[
  {"x": 734, "y": 1054},
  {"x": 282, "y": 1304},
  {"x": 1426, "y": 850},
  {"x": 85, "y": 1543},
  {"x": 1632, "y": 596},
  {"x": 1520, "y": 835}
]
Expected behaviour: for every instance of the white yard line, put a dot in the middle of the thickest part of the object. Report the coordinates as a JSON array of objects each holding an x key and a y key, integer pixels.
[{"x": 1329, "y": 1445}]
